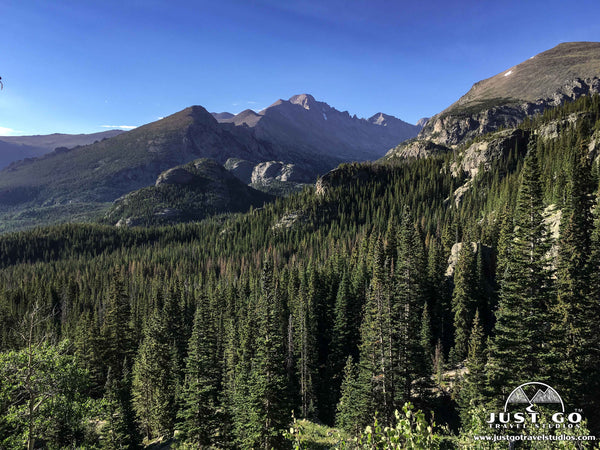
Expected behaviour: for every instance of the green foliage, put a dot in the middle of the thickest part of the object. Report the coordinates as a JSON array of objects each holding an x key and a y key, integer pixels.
[
  {"x": 522, "y": 334},
  {"x": 464, "y": 299},
  {"x": 410, "y": 430},
  {"x": 210, "y": 190},
  {"x": 42, "y": 397},
  {"x": 119, "y": 430}
]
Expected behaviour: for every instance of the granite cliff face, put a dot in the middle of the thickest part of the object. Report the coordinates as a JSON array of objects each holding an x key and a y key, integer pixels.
[
  {"x": 479, "y": 154},
  {"x": 415, "y": 149}
]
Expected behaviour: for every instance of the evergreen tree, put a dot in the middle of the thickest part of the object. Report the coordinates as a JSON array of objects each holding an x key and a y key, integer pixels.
[
  {"x": 343, "y": 339},
  {"x": 307, "y": 348},
  {"x": 463, "y": 301},
  {"x": 354, "y": 405},
  {"x": 268, "y": 412},
  {"x": 408, "y": 300},
  {"x": 376, "y": 345},
  {"x": 343, "y": 342},
  {"x": 153, "y": 381},
  {"x": 119, "y": 431},
  {"x": 575, "y": 302},
  {"x": 201, "y": 415},
  {"x": 427, "y": 337},
  {"x": 116, "y": 332},
  {"x": 438, "y": 292},
  {"x": 591, "y": 398},
  {"x": 472, "y": 389},
  {"x": 522, "y": 330}
]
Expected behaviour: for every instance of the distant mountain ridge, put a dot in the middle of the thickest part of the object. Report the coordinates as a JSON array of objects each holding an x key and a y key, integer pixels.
[
  {"x": 108, "y": 169},
  {"x": 14, "y": 148},
  {"x": 317, "y": 128}
]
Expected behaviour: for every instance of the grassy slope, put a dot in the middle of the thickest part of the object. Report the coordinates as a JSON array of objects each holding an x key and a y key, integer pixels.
[{"x": 538, "y": 77}]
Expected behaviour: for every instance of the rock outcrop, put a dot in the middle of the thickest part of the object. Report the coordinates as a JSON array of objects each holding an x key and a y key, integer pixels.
[
  {"x": 415, "y": 149},
  {"x": 481, "y": 153},
  {"x": 186, "y": 193},
  {"x": 176, "y": 175},
  {"x": 453, "y": 127},
  {"x": 241, "y": 169},
  {"x": 455, "y": 254},
  {"x": 277, "y": 170}
]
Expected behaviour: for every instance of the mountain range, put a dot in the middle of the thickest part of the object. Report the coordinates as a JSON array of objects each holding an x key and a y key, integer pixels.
[
  {"x": 316, "y": 128},
  {"x": 279, "y": 149}
]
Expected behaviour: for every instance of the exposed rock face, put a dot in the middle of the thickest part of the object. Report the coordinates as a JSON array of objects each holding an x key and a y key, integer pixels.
[
  {"x": 264, "y": 173},
  {"x": 344, "y": 175},
  {"x": 453, "y": 128},
  {"x": 289, "y": 220},
  {"x": 321, "y": 187},
  {"x": 455, "y": 253},
  {"x": 594, "y": 146},
  {"x": 305, "y": 100},
  {"x": 176, "y": 175},
  {"x": 277, "y": 170},
  {"x": 415, "y": 149},
  {"x": 422, "y": 122},
  {"x": 483, "y": 153},
  {"x": 241, "y": 169}
]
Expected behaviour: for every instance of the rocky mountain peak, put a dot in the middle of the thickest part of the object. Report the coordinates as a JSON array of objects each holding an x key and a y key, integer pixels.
[
  {"x": 422, "y": 121},
  {"x": 380, "y": 119},
  {"x": 305, "y": 100}
]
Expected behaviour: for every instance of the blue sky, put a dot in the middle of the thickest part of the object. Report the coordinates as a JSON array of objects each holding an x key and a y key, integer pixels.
[{"x": 78, "y": 66}]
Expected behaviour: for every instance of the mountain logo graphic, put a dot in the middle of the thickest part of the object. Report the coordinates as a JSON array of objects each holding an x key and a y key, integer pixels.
[{"x": 540, "y": 393}]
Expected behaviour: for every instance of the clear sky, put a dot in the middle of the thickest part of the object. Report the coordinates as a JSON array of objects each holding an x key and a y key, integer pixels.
[{"x": 76, "y": 66}]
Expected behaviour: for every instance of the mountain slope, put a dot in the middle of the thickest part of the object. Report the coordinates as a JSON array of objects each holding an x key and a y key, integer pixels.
[
  {"x": 14, "y": 148},
  {"x": 562, "y": 73}
]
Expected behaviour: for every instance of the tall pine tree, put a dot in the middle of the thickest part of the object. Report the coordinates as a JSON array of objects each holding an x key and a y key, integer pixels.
[
  {"x": 201, "y": 417},
  {"x": 522, "y": 333}
]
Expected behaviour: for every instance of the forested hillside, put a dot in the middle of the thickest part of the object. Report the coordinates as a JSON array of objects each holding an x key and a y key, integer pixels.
[{"x": 404, "y": 280}]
